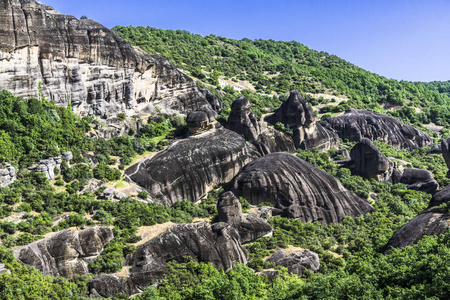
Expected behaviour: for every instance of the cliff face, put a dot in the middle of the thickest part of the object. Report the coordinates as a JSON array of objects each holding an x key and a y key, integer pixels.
[{"x": 86, "y": 64}]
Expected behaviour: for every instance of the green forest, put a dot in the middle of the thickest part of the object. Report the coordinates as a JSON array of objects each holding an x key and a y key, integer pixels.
[{"x": 352, "y": 260}]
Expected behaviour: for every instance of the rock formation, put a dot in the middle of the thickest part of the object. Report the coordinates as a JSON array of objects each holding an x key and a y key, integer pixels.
[
  {"x": 266, "y": 139},
  {"x": 47, "y": 166},
  {"x": 3, "y": 270},
  {"x": 355, "y": 125},
  {"x": 201, "y": 120},
  {"x": 298, "y": 188},
  {"x": 296, "y": 262},
  {"x": 370, "y": 162},
  {"x": 7, "y": 174},
  {"x": 190, "y": 167},
  {"x": 86, "y": 64},
  {"x": 66, "y": 253},
  {"x": 298, "y": 115},
  {"x": 417, "y": 179},
  {"x": 445, "y": 148},
  {"x": 250, "y": 228},
  {"x": 217, "y": 244}
]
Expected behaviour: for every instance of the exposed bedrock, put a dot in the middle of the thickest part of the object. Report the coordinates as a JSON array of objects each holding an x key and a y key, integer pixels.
[
  {"x": 370, "y": 162},
  {"x": 250, "y": 227},
  {"x": 298, "y": 115},
  {"x": 266, "y": 139},
  {"x": 191, "y": 167},
  {"x": 355, "y": 125},
  {"x": 298, "y": 188},
  {"x": 7, "y": 174},
  {"x": 86, "y": 64},
  {"x": 296, "y": 262},
  {"x": 445, "y": 148},
  {"x": 66, "y": 253},
  {"x": 217, "y": 244},
  {"x": 417, "y": 179}
]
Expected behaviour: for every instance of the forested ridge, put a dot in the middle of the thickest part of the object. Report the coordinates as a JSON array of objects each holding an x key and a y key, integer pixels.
[{"x": 352, "y": 260}]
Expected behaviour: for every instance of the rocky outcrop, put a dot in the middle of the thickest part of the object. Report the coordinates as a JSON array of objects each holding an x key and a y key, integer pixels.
[
  {"x": 7, "y": 174},
  {"x": 47, "y": 166},
  {"x": 4, "y": 270},
  {"x": 298, "y": 188},
  {"x": 443, "y": 196},
  {"x": 66, "y": 253},
  {"x": 86, "y": 64},
  {"x": 298, "y": 115},
  {"x": 266, "y": 139},
  {"x": 191, "y": 167},
  {"x": 355, "y": 125},
  {"x": 250, "y": 227},
  {"x": 296, "y": 262},
  {"x": 445, "y": 148},
  {"x": 217, "y": 244},
  {"x": 417, "y": 179},
  {"x": 201, "y": 120},
  {"x": 370, "y": 162}
]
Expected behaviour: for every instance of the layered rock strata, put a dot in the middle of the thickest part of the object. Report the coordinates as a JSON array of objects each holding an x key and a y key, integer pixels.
[
  {"x": 355, "y": 125},
  {"x": 298, "y": 188},
  {"x": 7, "y": 174},
  {"x": 299, "y": 116}
]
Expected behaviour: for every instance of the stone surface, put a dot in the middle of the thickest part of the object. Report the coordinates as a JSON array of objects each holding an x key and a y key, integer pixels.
[
  {"x": 298, "y": 188},
  {"x": 442, "y": 196},
  {"x": 370, "y": 162},
  {"x": 445, "y": 148},
  {"x": 189, "y": 168},
  {"x": 355, "y": 125},
  {"x": 418, "y": 179},
  {"x": 108, "y": 193},
  {"x": 296, "y": 262},
  {"x": 201, "y": 120},
  {"x": 7, "y": 174},
  {"x": 3, "y": 270},
  {"x": 298, "y": 115},
  {"x": 250, "y": 227},
  {"x": 86, "y": 64},
  {"x": 47, "y": 166},
  {"x": 217, "y": 244},
  {"x": 66, "y": 253}
]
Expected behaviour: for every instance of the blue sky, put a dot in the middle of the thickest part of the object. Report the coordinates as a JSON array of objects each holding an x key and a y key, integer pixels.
[{"x": 400, "y": 39}]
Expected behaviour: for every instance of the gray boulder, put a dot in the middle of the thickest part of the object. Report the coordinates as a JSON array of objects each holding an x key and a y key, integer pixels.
[
  {"x": 47, "y": 166},
  {"x": 109, "y": 193},
  {"x": 66, "y": 253},
  {"x": 418, "y": 179},
  {"x": 7, "y": 174},
  {"x": 3, "y": 269},
  {"x": 445, "y": 148},
  {"x": 298, "y": 115},
  {"x": 298, "y": 188},
  {"x": 250, "y": 227},
  {"x": 355, "y": 125},
  {"x": 201, "y": 120},
  {"x": 370, "y": 162},
  {"x": 296, "y": 262}
]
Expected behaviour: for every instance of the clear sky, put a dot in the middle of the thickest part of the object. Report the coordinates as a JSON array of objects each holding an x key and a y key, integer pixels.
[{"x": 400, "y": 39}]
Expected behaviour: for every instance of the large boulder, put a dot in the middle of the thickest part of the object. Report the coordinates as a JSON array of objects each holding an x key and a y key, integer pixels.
[
  {"x": 298, "y": 115},
  {"x": 201, "y": 120},
  {"x": 445, "y": 148},
  {"x": 86, "y": 64},
  {"x": 417, "y": 179},
  {"x": 296, "y": 262},
  {"x": 7, "y": 174},
  {"x": 217, "y": 244},
  {"x": 250, "y": 227},
  {"x": 298, "y": 188},
  {"x": 66, "y": 253},
  {"x": 47, "y": 166},
  {"x": 355, "y": 125},
  {"x": 370, "y": 162},
  {"x": 191, "y": 167}
]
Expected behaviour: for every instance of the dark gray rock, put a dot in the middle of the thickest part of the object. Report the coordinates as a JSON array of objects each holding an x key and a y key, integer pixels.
[
  {"x": 296, "y": 262},
  {"x": 426, "y": 223},
  {"x": 215, "y": 103},
  {"x": 437, "y": 149},
  {"x": 355, "y": 125},
  {"x": 298, "y": 115},
  {"x": 370, "y": 162},
  {"x": 298, "y": 188},
  {"x": 344, "y": 153},
  {"x": 271, "y": 274},
  {"x": 250, "y": 228},
  {"x": 442, "y": 196},
  {"x": 217, "y": 244},
  {"x": 445, "y": 147},
  {"x": 418, "y": 179},
  {"x": 7, "y": 174},
  {"x": 66, "y": 253},
  {"x": 86, "y": 64},
  {"x": 190, "y": 167},
  {"x": 201, "y": 120}
]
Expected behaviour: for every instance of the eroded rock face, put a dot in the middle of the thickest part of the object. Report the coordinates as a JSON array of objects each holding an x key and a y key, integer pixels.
[
  {"x": 217, "y": 244},
  {"x": 86, "y": 64},
  {"x": 66, "y": 253},
  {"x": 250, "y": 227},
  {"x": 300, "y": 117},
  {"x": 355, "y": 125},
  {"x": 296, "y": 262},
  {"x": 7, "y": 174},
  {"x": 201, "y": 120},
  {"x": 190, "y": 167},
  {"x": 418, "y": 179},
  {"x": 370, "y": 162},
  {"x": 445, "y": 148},
  {"x": 47, "y": 166},
  {"x": 298, "y": 188}
]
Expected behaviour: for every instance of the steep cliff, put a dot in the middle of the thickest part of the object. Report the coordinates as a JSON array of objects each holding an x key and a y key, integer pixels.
[{"x": 83, "y": 63}]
